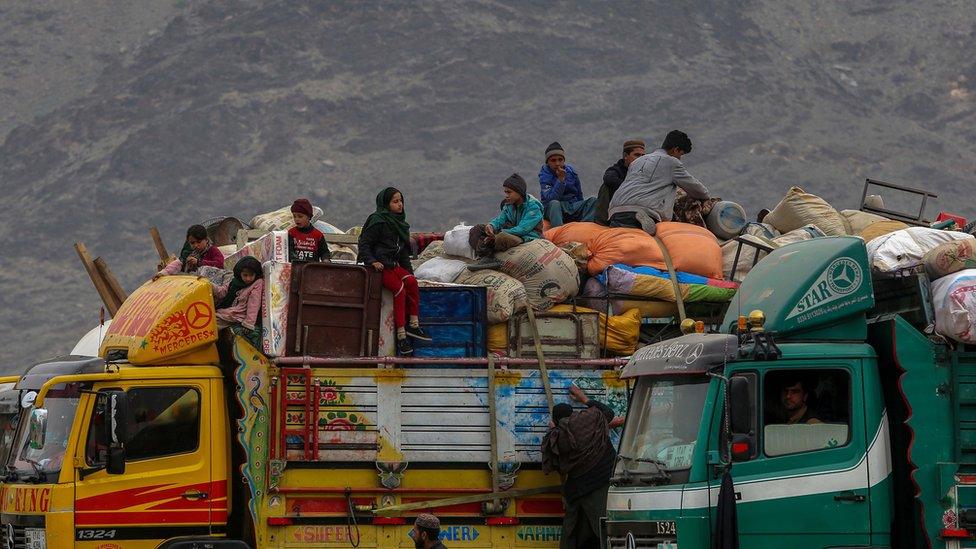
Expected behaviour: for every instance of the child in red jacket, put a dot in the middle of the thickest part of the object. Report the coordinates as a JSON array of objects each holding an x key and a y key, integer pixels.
[
  {"x": 306, "y": 244},
  {"x": 197, "y": 252}
]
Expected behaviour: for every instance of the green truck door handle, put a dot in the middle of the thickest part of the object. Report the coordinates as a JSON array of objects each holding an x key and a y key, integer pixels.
[{"x": 850, "y": 496}]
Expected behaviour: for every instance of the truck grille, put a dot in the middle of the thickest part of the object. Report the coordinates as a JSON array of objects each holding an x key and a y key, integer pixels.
[
  {"x": 638, "y": 542},
  {"x": 14, "y": 537}
]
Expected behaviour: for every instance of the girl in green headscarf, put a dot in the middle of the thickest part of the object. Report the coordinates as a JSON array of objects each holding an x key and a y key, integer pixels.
[{"x": 384, "y": 245}]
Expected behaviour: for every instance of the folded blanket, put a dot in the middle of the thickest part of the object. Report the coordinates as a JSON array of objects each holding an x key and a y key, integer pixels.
[{"x": 656, "y": 284}]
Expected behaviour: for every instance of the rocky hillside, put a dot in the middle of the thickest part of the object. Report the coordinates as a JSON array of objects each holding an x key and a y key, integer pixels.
[{"x": 125, "y": 118}]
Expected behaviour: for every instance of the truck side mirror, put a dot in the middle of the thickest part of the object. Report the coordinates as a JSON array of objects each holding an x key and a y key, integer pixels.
[
  {"x": 38, "y": 428},
  {"x": 741, "y": 406},
  {"x": 116, "y": 414}
]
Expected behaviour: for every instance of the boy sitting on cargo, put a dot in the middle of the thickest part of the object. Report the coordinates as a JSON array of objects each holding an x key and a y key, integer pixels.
[
  {"x": 646, "y": 196},
  {"x": 239, "y": 301},
  {"x": 306, "y": 244},
  {"x": 384, "y": 245},
  {"x": 197, "y": 252},
  {"x": 562, "y": 194},
  {"x": 519, "y": 221}
]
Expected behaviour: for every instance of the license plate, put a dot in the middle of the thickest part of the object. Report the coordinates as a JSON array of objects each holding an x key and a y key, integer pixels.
[{"x": 35, "y": 538}]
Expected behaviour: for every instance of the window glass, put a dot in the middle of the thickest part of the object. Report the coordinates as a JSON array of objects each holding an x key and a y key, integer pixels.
[
  {"x": 805, "y": 410},
  {"x": 162, "y": 421}
]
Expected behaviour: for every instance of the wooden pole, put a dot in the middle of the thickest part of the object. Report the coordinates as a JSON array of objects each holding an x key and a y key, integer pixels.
[
  {"x": 492, "y": 427},
  {"x": 109, "y": 277},
  {"x": 158, "y": 243},
  {"x": 107, "y": 295}
]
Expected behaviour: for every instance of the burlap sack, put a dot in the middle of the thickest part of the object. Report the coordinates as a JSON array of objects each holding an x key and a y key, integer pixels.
[
  {"x": 549, "y": 275},
  {"x": 506, "y": 296},
  {"x": 857, "y": 220},
  {"x": 799, "y": 208},
  {"x": 949, "y": 258}
]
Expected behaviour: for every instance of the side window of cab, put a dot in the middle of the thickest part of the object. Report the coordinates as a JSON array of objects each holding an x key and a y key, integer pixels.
[
  {"x": 805, "y": 410},
  {"x": 162, "y": 421}
]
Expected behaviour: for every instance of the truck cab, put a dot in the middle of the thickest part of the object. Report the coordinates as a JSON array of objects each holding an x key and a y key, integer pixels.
[{"x": 839, "y": 421}]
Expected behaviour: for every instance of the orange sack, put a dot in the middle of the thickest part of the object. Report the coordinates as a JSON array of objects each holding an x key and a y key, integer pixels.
[{"x": 693, "y": 249}]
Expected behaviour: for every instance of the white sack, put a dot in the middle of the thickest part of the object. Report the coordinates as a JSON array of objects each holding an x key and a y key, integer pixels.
[
  {"x": 440, "y": 269},
  {"x": 456, "y": 242},
  {"x": 904, "y": 249},
  {"x": 954, "y": 300}
]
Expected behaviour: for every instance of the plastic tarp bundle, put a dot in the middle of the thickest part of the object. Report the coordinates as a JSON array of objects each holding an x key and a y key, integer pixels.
[
  {"x": 949, "y": 258},
  {"x": 618, "y": 333},
  {"x": 954, "y": 301},
  {"x": 506, "y": 295},
  {"x": 456, "y": 242},
  {"x": 693, "y": 249},
  {"x": 281, "y": 219},
  {"x": 652, "y": 283},
  {"x": 904, "y": 249},
  {"x": 799, "y": 208},
  {"x": 440, "y": 269},
  {"x": 274, "y": 312},
  {"x": 270, "y": 247},
  {"x": 548, "y": 274},
  {"x": 748, "y": 253}
]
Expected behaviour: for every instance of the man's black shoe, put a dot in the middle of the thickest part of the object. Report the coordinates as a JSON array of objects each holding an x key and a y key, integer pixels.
[{"x": 418, "y": 333}]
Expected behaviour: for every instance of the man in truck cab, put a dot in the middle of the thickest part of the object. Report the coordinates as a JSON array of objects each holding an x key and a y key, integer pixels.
[{"x": 793, "y": 396}]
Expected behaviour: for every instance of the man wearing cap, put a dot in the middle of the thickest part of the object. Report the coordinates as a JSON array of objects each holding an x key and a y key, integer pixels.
[
  {"x": 646, "y": 196},
  {"x": 614, "y": 176},
  {"x": 519, "y": 221},
  {"x": 562, "y": 194},
  {"x": 426, "y": 532},
  {"x": 578, "y": 447}
]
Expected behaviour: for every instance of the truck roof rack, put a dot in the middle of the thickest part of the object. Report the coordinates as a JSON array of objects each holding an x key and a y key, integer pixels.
[{"x": 906, "y": 217}]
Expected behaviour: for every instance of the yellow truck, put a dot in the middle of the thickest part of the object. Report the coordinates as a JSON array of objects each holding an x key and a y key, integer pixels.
[{"x": 180, "y": 435}]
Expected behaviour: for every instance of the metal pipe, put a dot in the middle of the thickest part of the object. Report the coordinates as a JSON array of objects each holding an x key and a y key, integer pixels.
[{"x": 468, "y": 361}]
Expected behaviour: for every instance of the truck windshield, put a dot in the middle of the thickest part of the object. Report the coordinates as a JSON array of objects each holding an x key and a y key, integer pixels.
[
  {"x": 44, "y": 464},
  {"x": 661, "y": 431},
  {"x": 9, "y": 413}
]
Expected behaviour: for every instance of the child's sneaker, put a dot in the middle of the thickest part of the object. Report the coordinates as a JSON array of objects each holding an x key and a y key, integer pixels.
[
  {"x": 403, "y": 347},
  {"x": 418, "y": 333}
]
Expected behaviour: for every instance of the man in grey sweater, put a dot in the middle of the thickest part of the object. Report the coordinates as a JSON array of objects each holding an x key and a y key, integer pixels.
[{"x": 647, "y": 194}]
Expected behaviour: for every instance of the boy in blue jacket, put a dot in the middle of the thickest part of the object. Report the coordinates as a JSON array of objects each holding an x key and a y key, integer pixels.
[
  {"x": 562, "y": 194},
  {"x": 519, "y": 221}
]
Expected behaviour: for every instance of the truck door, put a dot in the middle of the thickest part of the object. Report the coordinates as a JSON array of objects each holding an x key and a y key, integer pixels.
[
  {"x": 166, "y": 489},
  {"x": 808, "y": 479}
]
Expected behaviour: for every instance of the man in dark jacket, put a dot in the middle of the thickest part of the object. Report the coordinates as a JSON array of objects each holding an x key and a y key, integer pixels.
[
  {"x": 578, "y": 447},
  {"x": 614, "y": 176}
]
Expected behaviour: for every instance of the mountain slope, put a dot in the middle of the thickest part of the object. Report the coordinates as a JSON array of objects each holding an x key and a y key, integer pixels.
[{"x": 234, "y": 108}]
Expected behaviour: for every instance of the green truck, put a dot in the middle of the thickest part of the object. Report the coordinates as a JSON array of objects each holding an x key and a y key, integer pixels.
[{"x": 841, "y": 418}]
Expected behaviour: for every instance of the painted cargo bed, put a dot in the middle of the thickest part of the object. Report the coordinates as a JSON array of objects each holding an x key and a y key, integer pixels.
[{"x": 390, "y": 436}]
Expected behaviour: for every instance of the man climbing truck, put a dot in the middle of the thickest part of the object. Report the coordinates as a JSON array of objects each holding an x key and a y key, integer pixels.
[
  {"x": 177, "y": 434},
  {"x": 845, "y": 424}
]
